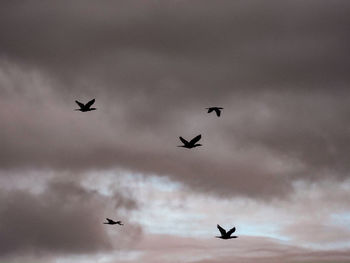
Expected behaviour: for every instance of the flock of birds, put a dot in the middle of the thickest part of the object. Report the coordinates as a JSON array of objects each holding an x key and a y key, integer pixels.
[{"x": 186, "y": 144}]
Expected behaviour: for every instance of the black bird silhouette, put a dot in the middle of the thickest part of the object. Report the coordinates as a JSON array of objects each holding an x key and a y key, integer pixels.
[
  {"x": 192, "y": 143},
  {"x": 226, "y": 235},
  {"x": 112, "y": 222},
  {"x": 216, "y": 109},
  {"x": 85, "y": 107}
]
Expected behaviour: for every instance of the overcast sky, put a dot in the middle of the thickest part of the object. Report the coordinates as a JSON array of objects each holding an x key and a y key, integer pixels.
[{"x": 275, "y": 164}]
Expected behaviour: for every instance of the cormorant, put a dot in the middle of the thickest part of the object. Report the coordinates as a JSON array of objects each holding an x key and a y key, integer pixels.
[
  {"x": 85, "y": 107},
  {"x": 226, "y": 235},
  {"x": 192, "y": 143},
  {"x": 216, "y": 109},
  {"x": 112, "y": 222}
]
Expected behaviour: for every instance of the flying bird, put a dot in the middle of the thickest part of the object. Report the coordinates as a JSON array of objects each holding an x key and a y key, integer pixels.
[
  {"x": 224, "y": 234},
  {"x": 192, "y": 143},
  {"x": 112, "y": 222},
  {"x": 85, "y": 107},
  {"x": 216, "y": 109}
]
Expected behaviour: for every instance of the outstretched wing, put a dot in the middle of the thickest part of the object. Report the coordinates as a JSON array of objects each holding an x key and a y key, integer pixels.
[
  {"x": 210, "y": 110},
  {"x": 222, "y": 231},
  {"x": 90, "y": 103},
  {"x": 196, "y": 139},
  {"x": 231, "y": 231},
  {"x": 183, "y": 140},
  {"x": 110, "y": 220},
  {"x": 218, "y": 112},
  {"x": 81, "y": 105}
]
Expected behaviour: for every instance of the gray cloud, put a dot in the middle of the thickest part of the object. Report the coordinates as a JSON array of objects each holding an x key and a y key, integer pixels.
[
  {"x": 278, "y": 68},
  {"x": 154, "y": 67},
  {"x": 227, "y": 45},
  {"x": 63, "y": 219}
]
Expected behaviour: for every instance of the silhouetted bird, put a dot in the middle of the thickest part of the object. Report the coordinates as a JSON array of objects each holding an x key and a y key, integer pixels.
[
  {"x": 111, "y": 222},
  {"x": 216, "y": 109},
  {"x": 226, "y": 235},
  {"x": 85, "y": 107},
  {"x": 193, "y": 143}
]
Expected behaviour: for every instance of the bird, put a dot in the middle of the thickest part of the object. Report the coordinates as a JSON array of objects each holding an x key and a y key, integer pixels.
[
  {"x": 216, "y": 109},
  {"x": 112, "y": 222},
  {"x": 85, "y": 107},
  {"x": 192, "y": 143},
  {"x": 226, "y": 235}
]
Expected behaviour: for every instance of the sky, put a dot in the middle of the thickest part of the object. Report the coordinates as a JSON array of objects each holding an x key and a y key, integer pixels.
[{"x": 274, "y": 165}]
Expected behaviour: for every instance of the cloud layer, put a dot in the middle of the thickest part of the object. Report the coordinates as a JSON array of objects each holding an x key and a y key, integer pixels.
[
  {"x": 64, "y": 218},
  {"x": 279, "y": 69}
]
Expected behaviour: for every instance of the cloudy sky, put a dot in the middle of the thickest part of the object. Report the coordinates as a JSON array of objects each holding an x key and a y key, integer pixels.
[{"x": 275, "y": 164}]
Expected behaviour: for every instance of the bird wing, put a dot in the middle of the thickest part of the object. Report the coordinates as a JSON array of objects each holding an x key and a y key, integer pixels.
[
  {"x": 90, "y": 103},
  {"x": 196, "y": 139},
  {"x": 183, "y": 140},
  {"x": 231, "y": 231},
  {"x": 81, "y": 105},
  {"x": 222, "y": 231},
  {"x": 210, "y": 110},
  {"x": 217, "y": 112},
  {"x": 110, "y": 220}
]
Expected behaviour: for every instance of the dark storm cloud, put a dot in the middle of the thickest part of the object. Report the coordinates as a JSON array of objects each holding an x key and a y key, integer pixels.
[
  {"x": 309, "y": 127},
  {"x": 278, "y": 68},
  {"x": 64, "y": 219},
  {"x": 257, "y": 42}
]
